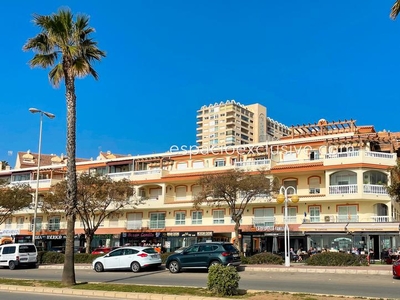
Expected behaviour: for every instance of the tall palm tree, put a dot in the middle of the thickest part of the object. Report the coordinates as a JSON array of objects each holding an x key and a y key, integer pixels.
[
  {"x": 394, "y": 12},
  {"x": 65, "y": 46}
]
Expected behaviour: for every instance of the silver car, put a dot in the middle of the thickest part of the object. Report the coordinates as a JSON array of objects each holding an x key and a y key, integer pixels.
[{"x": 131, "y": 257}]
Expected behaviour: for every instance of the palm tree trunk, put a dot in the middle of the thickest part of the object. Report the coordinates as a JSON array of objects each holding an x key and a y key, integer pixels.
[{"x": 68, "y": 276}]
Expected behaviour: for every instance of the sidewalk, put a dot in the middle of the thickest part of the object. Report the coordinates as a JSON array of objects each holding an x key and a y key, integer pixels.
[{"x": 373, "y": 269}]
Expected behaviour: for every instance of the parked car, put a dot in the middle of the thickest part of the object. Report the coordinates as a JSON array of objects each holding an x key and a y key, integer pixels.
[
  {"x": 204, "y": 255},
  {"x": 180, "y": 250},
  {"x": 396, "y": 269},
  {"x": 59, "y": 249},
  {"x": 132, "y": 257},
  {"x": 14, "y": 255},
  {"x": 103, "y": 250}
]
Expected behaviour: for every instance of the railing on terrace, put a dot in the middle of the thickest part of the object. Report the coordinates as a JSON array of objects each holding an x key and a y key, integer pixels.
[
  {"x": 380, "y": 154},
  {"x": 159, "y": 224},
  {"x": 381, "y": 219},
  {"x": 343, "y": 189},
  {"x": 342, "y": 154},
  {"x": 263, "y": 221},
  {"x": 135, "y": 224},
  {"x": 31, "y": 182},
  {"x": 120, "y": 175},
  {"x": 374, "y": 189},
  {"x": 250, "y": 163},
  {"x": 146, "y": 172},
  {"x": 347, "y": 218}
]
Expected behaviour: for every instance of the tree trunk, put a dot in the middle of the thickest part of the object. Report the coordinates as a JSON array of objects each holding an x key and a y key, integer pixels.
[
  {"x": 238, "y": 242},
  {"x": 89, "y": 238},
  {"x": 68, "y": 276}
]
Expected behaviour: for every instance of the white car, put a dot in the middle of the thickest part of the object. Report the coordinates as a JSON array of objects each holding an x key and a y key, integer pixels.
[
  {"x": 134, "y": 258},
  {"x": 14, "y": 255}
]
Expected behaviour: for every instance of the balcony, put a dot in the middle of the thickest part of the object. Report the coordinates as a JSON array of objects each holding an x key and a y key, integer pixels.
[
  {"x": 264, "y": 222},
  {"x": 48, "y": 226},
  {"x": 120, "y": 175},
  {"x": 360, "y": 156},
  {"x": 156, "y": 224},
  {"x": 149, "y": 174},
  {"x": 374, "y": 189},
  {"x": 43, "y": 183},
  {"x": 133, "y": 225},
  {"x": 343, "y": 189},
  {"x": 254, "y": 163}
]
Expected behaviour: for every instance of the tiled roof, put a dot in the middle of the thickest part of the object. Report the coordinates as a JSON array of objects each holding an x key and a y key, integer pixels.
[{"x": 29, "y": 160}]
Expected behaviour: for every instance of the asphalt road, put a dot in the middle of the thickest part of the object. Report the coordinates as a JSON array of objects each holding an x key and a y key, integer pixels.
[{"x": 377, "y": 286}]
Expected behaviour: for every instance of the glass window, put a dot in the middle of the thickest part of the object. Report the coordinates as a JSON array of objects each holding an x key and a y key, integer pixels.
[
  {"x": 314, "y": 187},
  {"x": 292, "y": 214},
  {"x": 180, "y": 218},
  {"x": 197, "y": 217},
  {"x": 292, "y": 183},
  {"x": 117, "y": 252},
  {"x": 314, "y": 214},
  {"x": 218, "y": 216},
  {"x": 347, "y": 213},
  {"x": 157, "y": 220}
]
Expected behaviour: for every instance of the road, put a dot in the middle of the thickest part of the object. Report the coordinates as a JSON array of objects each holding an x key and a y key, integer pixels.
[{"x": 377, "y": 286}]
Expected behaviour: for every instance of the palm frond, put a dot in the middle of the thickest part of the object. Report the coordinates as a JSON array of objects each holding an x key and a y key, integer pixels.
[
  {"x": 395, "y": 10},
  {"x": 43, "y": 60},
  {"x": 40, "y": 43},
  {"x": 56, "y": 75}
]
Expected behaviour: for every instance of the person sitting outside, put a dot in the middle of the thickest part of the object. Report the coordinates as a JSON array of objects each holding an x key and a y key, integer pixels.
[
  {"x": 299, "y": 253},
  {"x": 293, "y": 255}
]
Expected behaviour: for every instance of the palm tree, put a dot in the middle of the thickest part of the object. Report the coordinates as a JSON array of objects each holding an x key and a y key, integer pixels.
[
  {"x": 394, "y": 12},
  {"x": 65, "y": 46}
]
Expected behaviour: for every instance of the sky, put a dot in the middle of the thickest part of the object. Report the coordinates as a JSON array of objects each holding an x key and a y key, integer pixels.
[{"x": 303, "y": 60}]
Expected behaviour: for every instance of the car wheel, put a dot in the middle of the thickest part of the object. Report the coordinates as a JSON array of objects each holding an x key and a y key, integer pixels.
[
  {"x": 214, "y": 262},
  {"x": 135, "y": 267},
  {"x": 98, "y": 267},
  {"x": 174, "y": 267},
  {"x": 11, "y": 265}
]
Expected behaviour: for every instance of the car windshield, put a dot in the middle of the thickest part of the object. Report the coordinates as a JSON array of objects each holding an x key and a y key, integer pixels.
[
  {"x": 230, "y": 248},
  {"x": 149, "y": 250},
  {"x": 27, "y": 248}
]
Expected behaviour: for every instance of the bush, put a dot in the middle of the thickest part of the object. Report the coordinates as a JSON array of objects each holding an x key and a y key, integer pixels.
[
  {"x": 264, "y": 258},
  {"x": 49, "y": 257},
  {"x": 337, "y": 259},
  {"x": 164, "y": 256},
  {"x": 223, "y": 280}
]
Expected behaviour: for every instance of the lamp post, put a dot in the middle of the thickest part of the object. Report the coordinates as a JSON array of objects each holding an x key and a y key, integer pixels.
[
  {"x": 50, "y": 116},
  {"x": 283, "y": 198}
]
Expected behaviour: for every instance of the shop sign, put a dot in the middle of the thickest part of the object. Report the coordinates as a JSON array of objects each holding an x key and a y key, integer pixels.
[
  {"x": 141, "y": 234},
  {"x": 204, "y": 233},
  {"x": 50, "y": 237},
  {"x": 269, "y": 228},
  {"x": 188, "y": 234},
  {"x": 8, "y": 232}
]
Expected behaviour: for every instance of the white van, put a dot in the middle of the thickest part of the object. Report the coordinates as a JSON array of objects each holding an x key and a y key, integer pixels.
[{"x": 13, "y": 255}]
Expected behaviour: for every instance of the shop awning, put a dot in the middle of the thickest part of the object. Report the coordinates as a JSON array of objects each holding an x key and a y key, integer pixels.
[
  {"x": 323, "y": 227},
  {"x": 374, "y": 227}
]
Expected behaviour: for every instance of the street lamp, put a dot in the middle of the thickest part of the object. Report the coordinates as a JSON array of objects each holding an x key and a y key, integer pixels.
[
  {"x": 283, "y": 198},
  {"x": 50, "y": 116}
]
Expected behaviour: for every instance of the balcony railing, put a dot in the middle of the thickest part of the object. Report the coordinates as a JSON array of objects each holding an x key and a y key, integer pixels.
[
  {"x": 342, "y": 154},
  {"x": 347, "y": 218},
  {"x": 263, "y": 221},
  {"x": 380, "y": 154},
  {"x": 157, "y": 224},
  {"x": 374, "y": 189},
  {"x": 251, "y": 163},
  {"x": 120, "y": 175},
  {"x": 343, "y": 189},
  {"x": 136, "y": 224},
  {"x": 146, "y": 172},
  {"x": 381, "y": 219}
]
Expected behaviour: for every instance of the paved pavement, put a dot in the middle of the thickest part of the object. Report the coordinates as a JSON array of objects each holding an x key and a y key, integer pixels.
[{"x": 376, "y": 269}]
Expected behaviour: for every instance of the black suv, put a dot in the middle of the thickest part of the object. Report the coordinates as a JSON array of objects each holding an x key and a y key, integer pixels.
[{"x": 204, "y": 255}]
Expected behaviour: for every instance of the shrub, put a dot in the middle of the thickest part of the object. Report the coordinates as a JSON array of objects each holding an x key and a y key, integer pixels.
[
  {"x": 264, "y": 258},
  {"x": 223, "y": 280},
  {"x": 48, "y": 257},
  {"x": 337, "y": 259},
  {"x": 164, "y": 256},
  {"x": 52, "y": 258}
]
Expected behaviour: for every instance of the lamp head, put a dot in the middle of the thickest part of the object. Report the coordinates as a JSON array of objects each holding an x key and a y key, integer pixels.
[
  {"x": 280, "y": 198},
  {"x": 34, "y": 110},
  {"x": 295, "y": 198},
  {"x": 49, "y": 115}
]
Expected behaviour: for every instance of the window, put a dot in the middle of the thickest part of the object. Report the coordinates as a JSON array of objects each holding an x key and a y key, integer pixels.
[
  {"x": 180, "y": 218},
  {"x": 218, "y": 216},
  {"x": 8, "y": 223},
  {"x": 9, "y": 250},
  {"x": 289, "y": 156},
  {"x": 198, "y": 164},
  {"x": 20, "y": 222},
  {"x": 292, "y": 183},
  {"x": 314, "y": 214},
  {"x": 219, "y": 163},
  {"x": 134, "y": 221},
  {"x": 181, "y": 193},
  {"x": 197, "y": 218},
  {"x": 157, "y": 221},
  {"x": 292, "y": 214},
  {"x": 54, "y": 223},
  {"x": 314, "y": 187},
  {"x": 155, "y": 193},
  {"x": 21, "y": 177},
  {"x": 314, "y": 154},
  {"x": 264, "y": 217},
  {"x": 181, "y": 166},
  {"x": 347, "y": 213},
  {"x": 196, "y": 190}
]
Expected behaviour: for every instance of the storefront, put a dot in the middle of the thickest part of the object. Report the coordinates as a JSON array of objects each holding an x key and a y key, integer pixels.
[
  {"x": 48, "y": 242},
  {"x": 106, "y": 240},
  {"x": 142, "y": 238},
  {"x": 175, "y": 240},
  {"x": 20, "y": 238}
]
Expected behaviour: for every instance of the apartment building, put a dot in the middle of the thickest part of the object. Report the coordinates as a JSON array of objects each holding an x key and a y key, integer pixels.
[
  {"x": 231, "y": 123},
  {"x": 337, "y": 169}
]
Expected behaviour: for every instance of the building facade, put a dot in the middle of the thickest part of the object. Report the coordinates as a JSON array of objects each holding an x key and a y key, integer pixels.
[
  {"x": 338, "y": 170},
  {"x": 231, "y": 123}
]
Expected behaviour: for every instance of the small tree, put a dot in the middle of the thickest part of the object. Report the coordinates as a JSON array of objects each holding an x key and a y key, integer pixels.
[
  {"x": 394, "y": 187},
  {"x": 13, "y": 198},
  {"x": 4, "y": 164},
  {"x": 98, "y": 198},
  {"x": 234, "y": 189}
]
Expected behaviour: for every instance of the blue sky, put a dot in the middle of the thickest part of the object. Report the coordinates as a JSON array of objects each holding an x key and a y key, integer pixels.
[{"x": 303, "y": 60}]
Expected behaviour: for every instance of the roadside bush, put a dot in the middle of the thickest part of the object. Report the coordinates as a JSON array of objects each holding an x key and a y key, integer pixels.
[
  {"x": 164, "y": 256},
  {"x": 337, "y": 259},
  {"x": 85, "y": 258},
  {"x": 223, "y": 280},
  {"x": 264, "y": 258},
  {"x": 51, "y": 257},
  {"x": 245, "y": 259}
]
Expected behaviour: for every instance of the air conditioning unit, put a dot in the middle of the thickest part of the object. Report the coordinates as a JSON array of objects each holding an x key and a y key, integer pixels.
[{"x": 327, "y": 218}]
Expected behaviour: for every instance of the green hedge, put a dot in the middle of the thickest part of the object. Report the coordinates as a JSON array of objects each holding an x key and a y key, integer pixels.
[
  {"x": 262, "y": 258},
  {"x": 223, "y": 280},
  {"x": 48, "y": 257},
  {"x": 337, "y": 259}
]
